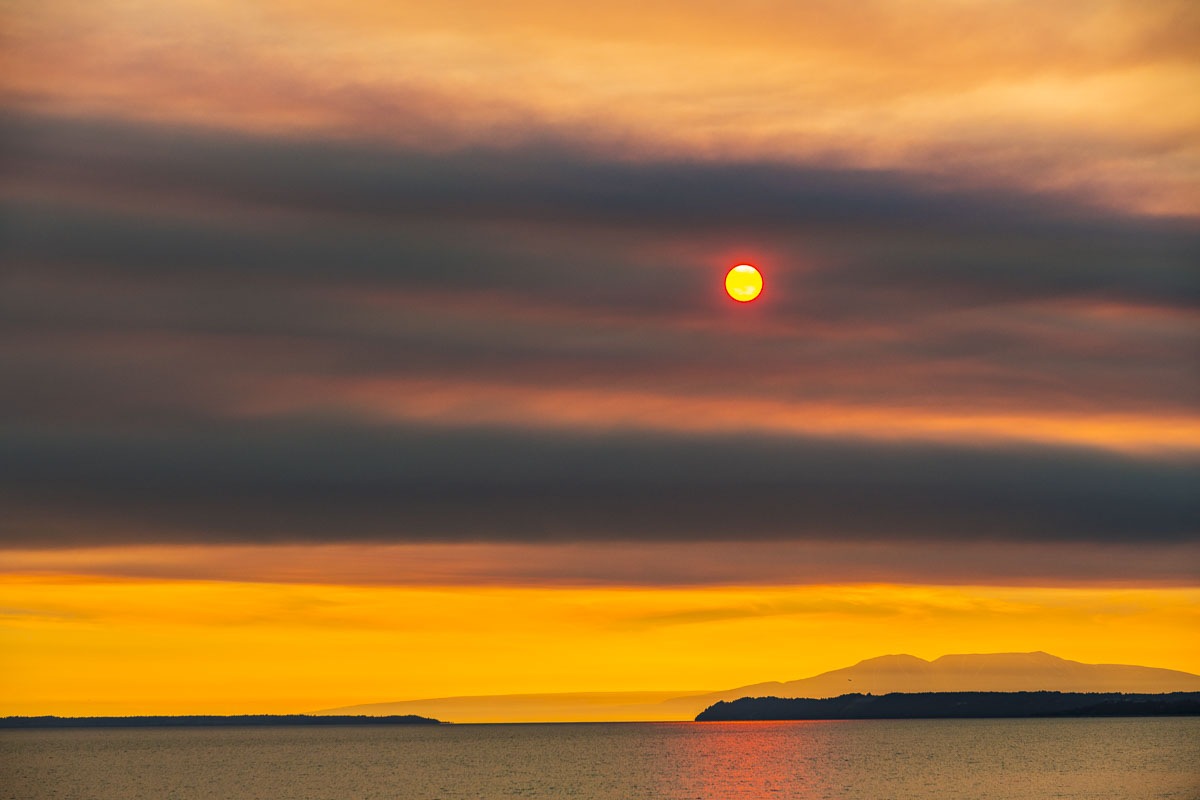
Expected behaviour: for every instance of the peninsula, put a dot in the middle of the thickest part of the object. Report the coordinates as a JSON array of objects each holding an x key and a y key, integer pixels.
[
  {"x": 241, "y": 720},
  {"x": 937, "y": 705}
]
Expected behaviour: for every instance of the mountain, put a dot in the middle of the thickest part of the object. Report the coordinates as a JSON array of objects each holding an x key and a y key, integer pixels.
[{"x": 992, "y": 672}]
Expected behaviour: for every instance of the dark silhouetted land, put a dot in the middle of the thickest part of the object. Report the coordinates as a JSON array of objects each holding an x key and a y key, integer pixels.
[
  {"x": 939, "y": 705},
  {"x": 242, "y": 720}
]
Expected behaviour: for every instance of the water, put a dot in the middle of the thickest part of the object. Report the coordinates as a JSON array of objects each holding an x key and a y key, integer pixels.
[{"x": 893, "y": 759}]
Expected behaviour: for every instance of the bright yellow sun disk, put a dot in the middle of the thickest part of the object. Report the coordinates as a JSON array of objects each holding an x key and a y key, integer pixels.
[{"x": 743, "y": 283}]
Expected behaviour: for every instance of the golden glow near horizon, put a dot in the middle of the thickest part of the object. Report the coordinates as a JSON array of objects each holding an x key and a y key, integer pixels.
[
  {"x": 743, "y": 283},
  {"x": 73, "y": 645}
]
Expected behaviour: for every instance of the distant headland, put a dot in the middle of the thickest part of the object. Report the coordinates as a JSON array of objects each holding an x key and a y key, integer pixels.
[
  {"x": 950, "y": 705},
  {"x": 241, "y": 720},
  {"x": 978, "y": 672}
]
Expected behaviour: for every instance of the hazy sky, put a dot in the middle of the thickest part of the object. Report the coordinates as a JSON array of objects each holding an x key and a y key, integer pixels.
[{"x": 331, "y": 337}]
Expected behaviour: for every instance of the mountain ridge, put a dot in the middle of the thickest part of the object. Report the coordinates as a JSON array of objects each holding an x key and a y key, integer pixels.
[
  {"x": 896, "y": 672},
  {"x": 995, "y": 672}
]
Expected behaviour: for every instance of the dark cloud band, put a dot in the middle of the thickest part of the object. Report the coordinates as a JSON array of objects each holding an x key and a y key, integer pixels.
[
  {"x": 317, "y": 482},
  {"x": 913, "y": 233}
]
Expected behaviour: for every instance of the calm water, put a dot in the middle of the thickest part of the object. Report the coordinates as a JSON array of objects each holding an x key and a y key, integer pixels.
[{"x": 1073, "y": 758}]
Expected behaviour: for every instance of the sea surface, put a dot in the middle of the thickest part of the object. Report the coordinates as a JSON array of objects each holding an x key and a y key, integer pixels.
[{"x": 887, "y": 759}]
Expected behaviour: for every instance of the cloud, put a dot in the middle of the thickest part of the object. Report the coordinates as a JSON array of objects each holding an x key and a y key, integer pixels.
[
  {"x": 908, "y": 230},
  {"x": 1075, "y": 96},
  {"x": 320, "y": 482},
  {"x": 625, "y": 563}
]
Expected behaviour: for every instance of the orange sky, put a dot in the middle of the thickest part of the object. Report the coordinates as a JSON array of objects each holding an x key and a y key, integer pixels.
[
  {"x": 375, "y": 351},
  {"x": 89, "y": 646}
]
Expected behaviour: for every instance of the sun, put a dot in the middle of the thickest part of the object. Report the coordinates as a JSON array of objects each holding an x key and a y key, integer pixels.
[{"x": 744, "y": 283}]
